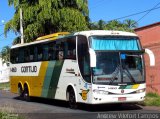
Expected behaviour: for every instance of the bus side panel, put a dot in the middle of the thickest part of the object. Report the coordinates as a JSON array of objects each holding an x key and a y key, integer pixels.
[
  {"x": 34, "y": 78},
  {"x": 37, "y": 86},
  {"x": 15, "y": 80},
  {"x": 67, "y": 77},
  {"x": 70, "y": 75},
  {"x": 51, "y": 79}
]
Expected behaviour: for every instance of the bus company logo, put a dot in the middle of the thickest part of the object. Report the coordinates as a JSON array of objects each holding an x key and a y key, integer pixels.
[
  {"x": 26, "y": 69},
  {"x": 122, "y": 91},
  {"x": 84, "y": 94}
]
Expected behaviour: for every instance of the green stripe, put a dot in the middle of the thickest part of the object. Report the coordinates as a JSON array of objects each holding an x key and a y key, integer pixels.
[
  {"x": 129, "y": 87},
  {"x": 55, "y": 78},
  {"x": 47, "y": 79},
  {"x": 122, "y": 87}
]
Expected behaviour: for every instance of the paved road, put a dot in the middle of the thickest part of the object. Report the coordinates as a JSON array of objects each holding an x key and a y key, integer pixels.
[{"x": 45, "y": 109}]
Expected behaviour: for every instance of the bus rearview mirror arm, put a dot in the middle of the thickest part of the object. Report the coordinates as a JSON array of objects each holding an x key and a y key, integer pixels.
[
  {"x": 151, "y": 56},
  {"x": 92, "y": 57}
]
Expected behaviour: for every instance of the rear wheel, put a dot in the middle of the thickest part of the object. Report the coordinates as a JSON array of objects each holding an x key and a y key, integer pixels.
[
  {"x": 20, "y": 92},
  {"x": 72, "y": 99},
  {"x": 26, "y": 93}
]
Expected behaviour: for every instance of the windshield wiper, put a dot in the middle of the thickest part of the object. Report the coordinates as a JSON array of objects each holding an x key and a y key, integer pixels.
[
  {"x": 129, "y": 74},
  {"x": 114, "y": 75}
]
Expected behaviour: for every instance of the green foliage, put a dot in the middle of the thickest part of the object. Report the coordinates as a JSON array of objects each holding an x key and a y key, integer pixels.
[
  {"x": 5, "y": 54},
  {"x": 151, "y": 99},
  {"x": 72, "y": 21},
  {"x": 152, "y": 95},
  {"x": 126, "y": 25},
  {"x": 41, "y": 17},
  {"x": 6, "y": 115},
  {"x": 4, "y": 86}
]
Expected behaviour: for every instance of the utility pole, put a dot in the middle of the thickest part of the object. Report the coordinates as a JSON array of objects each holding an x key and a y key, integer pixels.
[{"x": 21, "y": 27}]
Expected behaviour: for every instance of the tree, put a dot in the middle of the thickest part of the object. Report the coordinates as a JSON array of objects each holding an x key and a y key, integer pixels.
[
  {"x": 100, "y": 25},
  {"x": 5, "y": 54},
  {"x": 114, "y": 25},
  {"x": 130, "y": 23},
  {"x": 126, "y": 25},
  {"x": 41, "y": 17}
]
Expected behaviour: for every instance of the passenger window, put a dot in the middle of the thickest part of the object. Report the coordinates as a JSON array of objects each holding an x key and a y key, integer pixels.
[
  {"x": 21, "y": 55},
  {"x": 39, "y": 52},
  {"x": 70, "y": 48},
  {"x": 14, "y": 56},
  {"x": 31, "y": 55},
  {"x": 51, "y": 51},
  {"x": 26, "y": 54},
  {"x": 45, "y": 52},
  {"x": 60, "y": 50}
]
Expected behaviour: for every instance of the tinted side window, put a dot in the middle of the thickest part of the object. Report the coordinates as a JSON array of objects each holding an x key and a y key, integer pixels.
[
  {"x": 14, "y": 56},
  {"x": 21, "y": 55},
  {"x": 83, "y": 58},
  {"x": 26, "y": 54},
  {"x": 31, "y": 54},
  {"x": 70, "y": 48},
  {"x": 60, "y": 50},
  {"x": 51, "y": 51},
  {"x": 45, "y": 52},
  {"x": 39, "y": 52}
]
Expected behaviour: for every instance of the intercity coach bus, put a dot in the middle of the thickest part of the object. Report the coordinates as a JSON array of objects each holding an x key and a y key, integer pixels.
[{"x": 92, "y": 67}]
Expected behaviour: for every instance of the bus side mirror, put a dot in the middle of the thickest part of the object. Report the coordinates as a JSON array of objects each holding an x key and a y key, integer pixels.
[
  {"x": 92, "y": 57},
  {"x": 151, "y": 57}
]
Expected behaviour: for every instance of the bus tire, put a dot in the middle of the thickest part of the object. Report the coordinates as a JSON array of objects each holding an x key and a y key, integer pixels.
[
  {"x": 26, "y": 96},
  {"x": 20, "y": 91},
  {"x": 72, "y": 99}
]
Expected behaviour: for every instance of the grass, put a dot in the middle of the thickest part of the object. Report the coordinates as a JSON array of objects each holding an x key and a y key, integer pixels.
[
  {"x": 4, "y": 85},
  {"x": 152, "y": 99},
  {"x": 9, "y": 112},
  {"x": 6, "y": 115}
]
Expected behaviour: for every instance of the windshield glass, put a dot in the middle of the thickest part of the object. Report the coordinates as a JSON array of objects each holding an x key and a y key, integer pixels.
[
  {"x": 118, "y": 68},
  {"x": 114, "y": 43}
]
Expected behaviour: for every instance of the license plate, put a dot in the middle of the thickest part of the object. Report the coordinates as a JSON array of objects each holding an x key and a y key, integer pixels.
[{"x": 121, "y": 98}]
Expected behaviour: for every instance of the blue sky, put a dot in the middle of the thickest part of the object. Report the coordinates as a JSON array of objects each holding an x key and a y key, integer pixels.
[{"x": 98, "y": 9}]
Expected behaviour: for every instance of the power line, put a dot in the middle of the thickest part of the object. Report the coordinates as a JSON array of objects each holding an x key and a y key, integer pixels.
[
  {"x": 148, "y": 12},
  {"x": 136, "y": 13}
]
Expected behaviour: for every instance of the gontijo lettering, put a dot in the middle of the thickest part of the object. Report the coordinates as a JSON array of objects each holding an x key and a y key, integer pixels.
[{"x": 25, "y": 69}]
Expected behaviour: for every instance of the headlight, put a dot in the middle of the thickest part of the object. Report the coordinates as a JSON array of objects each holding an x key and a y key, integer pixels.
[
  {"x": 140, "y": 90},
  {"x": 100, "y": 92}
]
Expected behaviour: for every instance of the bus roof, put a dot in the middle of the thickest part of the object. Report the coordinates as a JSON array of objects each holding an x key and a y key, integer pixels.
[
  {"x": 105, "y": 32},
  {"x": 58, "y": 35}
]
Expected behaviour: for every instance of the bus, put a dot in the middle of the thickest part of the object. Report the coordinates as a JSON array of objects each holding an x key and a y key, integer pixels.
[{"x": 91, "y": 67}]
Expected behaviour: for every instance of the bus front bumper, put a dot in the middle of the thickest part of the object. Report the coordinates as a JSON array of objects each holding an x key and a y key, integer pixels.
[{"x": 110, "y": 99}]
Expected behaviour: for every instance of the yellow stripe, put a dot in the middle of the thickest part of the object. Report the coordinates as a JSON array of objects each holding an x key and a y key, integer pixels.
[
  {"x": 135, "y": 86},
  {"x": 38, "y": 81},
  {"x": 35, "y": 83},
  {"x": 54, "y": 35}
]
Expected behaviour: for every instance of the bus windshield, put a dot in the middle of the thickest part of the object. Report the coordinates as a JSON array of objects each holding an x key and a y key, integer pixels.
[
  {"x": 118, "y": 68},
  {"x": 118, "y": 60}
]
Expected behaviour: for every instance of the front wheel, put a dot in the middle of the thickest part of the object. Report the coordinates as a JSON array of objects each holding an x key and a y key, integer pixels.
[{"x": 72, "y": 99}]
